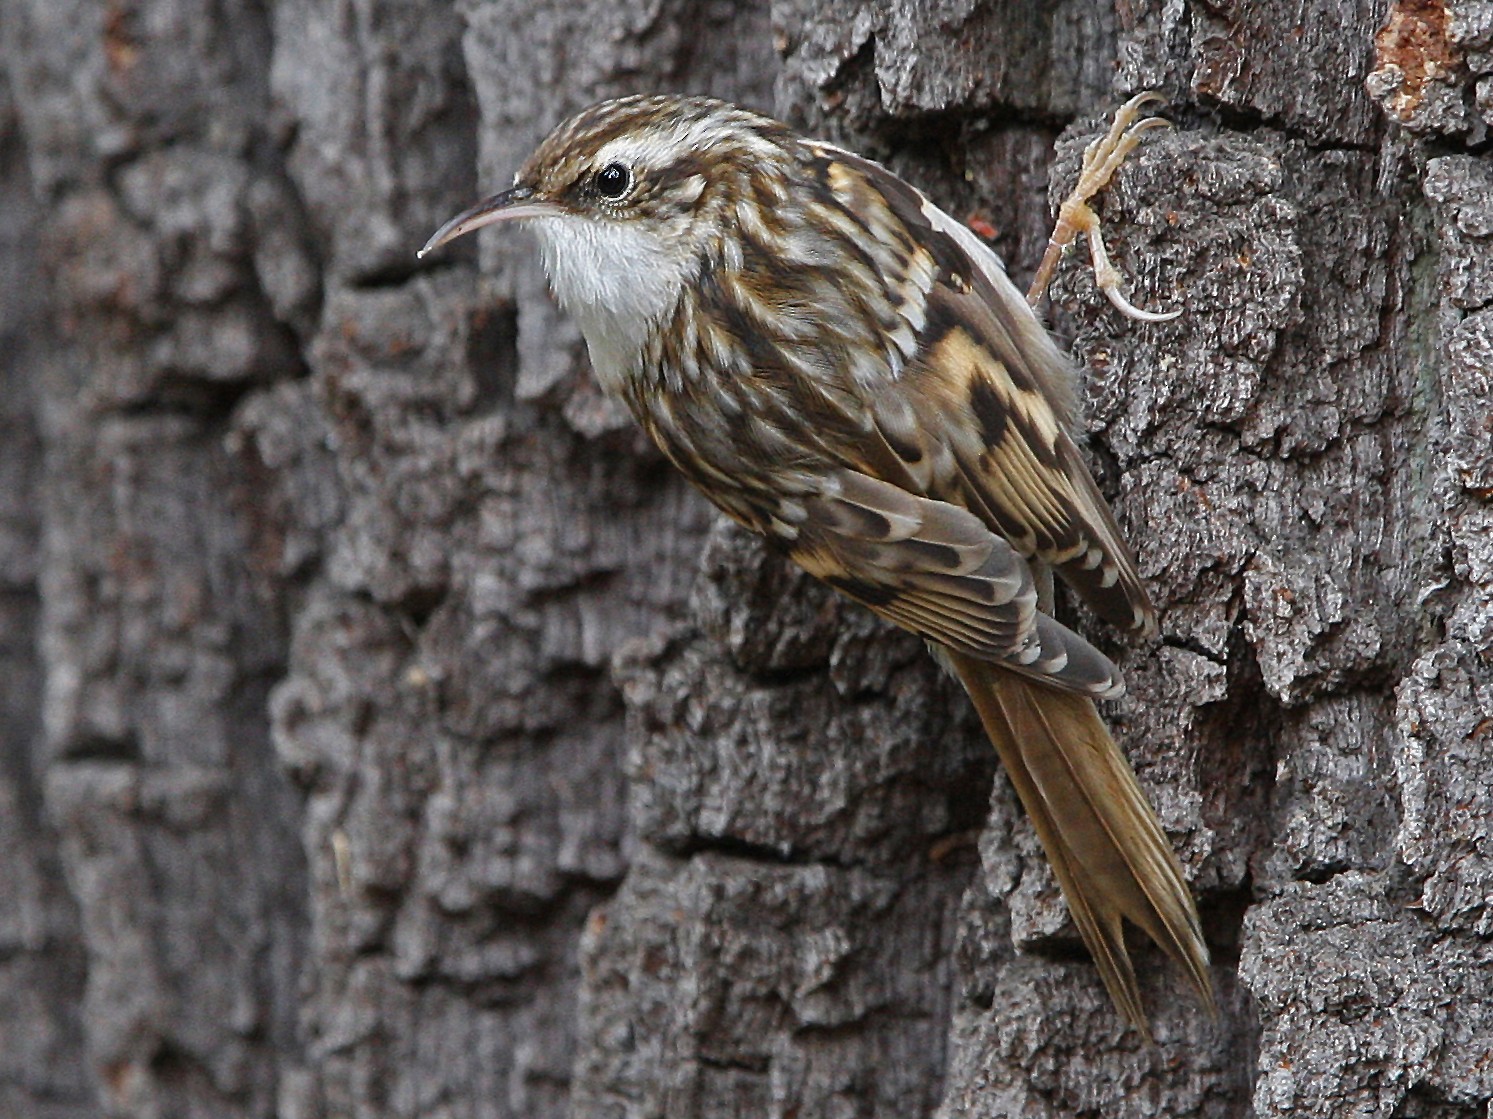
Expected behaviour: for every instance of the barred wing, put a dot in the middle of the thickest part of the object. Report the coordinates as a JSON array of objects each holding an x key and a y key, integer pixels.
[{"x": 935, "y": 569}]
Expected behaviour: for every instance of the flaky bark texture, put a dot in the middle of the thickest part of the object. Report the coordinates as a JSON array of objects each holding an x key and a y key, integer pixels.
[{"x": 388, "y": 732}]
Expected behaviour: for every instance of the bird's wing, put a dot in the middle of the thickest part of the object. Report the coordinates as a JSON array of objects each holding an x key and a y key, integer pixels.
[
  {"x": 979, "y": 414},
  {"x": 937, "y": 570}
]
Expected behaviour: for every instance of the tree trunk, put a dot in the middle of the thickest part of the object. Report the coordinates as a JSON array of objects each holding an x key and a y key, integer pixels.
[{"x": 388, "y": 731}]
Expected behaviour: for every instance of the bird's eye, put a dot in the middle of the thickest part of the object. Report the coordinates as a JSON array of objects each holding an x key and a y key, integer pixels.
[{"x": 612, "y": 180}]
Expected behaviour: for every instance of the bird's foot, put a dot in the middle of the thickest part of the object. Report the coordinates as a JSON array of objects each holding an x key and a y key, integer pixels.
[{"x": 1101, "y": 160}]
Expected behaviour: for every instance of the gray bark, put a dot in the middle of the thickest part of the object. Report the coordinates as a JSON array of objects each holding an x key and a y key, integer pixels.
[{"x": 386, "y": 731}]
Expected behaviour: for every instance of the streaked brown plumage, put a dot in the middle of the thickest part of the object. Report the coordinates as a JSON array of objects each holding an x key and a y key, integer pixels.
[{"x": 846, "y": 370}]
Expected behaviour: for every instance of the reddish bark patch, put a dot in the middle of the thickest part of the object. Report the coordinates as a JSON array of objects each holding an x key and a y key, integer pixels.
[{"x": 1414, "y": 46}]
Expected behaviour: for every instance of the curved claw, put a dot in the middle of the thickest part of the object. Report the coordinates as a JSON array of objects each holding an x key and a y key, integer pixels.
[
  {"x": 1131, "y": 311},
  {"x": 1107, "y": 277},
  {"x": 1145, "y": 97},
  {"x": 1148, "y": 124}
]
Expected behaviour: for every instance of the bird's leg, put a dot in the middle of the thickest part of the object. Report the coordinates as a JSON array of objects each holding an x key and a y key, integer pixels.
[{"x": 1101, "y": 160}]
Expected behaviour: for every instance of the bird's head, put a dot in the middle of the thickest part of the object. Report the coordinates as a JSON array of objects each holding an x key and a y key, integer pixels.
[{"x": 632, "y": 198}]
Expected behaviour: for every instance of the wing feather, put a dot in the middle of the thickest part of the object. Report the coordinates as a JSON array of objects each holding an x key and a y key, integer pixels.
[
  {"x": 993, "y": 398},
  {"x": 934, "y": 568}
]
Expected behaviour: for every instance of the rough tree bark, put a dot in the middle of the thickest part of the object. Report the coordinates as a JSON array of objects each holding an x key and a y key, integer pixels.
[{"x": 388, "y": 732}]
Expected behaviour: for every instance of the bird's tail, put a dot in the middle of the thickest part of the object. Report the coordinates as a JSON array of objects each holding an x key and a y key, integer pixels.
[{"x": 1100, "y": 833}]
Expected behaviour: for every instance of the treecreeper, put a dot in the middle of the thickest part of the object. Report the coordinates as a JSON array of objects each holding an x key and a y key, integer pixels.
[{"x": 847, "y": 371}]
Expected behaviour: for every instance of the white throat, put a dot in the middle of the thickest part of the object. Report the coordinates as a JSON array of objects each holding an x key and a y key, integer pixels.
[{"x": 617, "y": 280}]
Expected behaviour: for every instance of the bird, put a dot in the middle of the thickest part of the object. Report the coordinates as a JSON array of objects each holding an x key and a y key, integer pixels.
[{"x": 847, "y": 371}]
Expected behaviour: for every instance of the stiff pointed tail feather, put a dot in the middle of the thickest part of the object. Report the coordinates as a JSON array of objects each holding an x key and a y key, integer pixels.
[{"x": 1100, "y": 833}]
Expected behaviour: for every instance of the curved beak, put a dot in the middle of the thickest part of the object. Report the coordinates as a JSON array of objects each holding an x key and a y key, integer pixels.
[{"x": 520, "y": 202}]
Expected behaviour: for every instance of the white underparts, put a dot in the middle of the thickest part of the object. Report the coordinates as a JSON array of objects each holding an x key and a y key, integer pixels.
[{"x": 617, "y": 279}]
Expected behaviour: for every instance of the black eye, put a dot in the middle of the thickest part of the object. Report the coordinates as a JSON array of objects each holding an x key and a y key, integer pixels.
[{"x": 612, "y": 180}]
